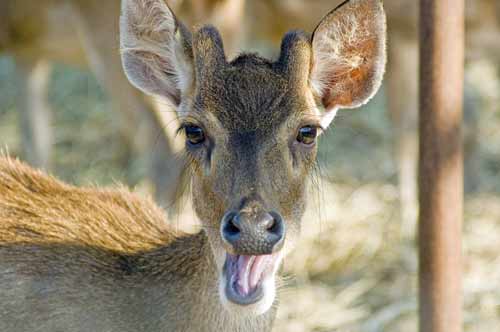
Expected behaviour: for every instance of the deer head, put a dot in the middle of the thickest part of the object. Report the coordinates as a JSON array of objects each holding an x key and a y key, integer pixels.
[{"x": 251, "y": 125}]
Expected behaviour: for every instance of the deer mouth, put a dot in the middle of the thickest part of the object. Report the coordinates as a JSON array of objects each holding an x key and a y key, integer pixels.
[{"x": 246, "y": 275}]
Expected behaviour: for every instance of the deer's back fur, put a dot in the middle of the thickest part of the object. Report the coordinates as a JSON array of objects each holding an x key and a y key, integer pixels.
[{"x": 93, "y": 259}]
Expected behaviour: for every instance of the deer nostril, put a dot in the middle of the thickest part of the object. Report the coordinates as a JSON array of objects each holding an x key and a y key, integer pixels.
[
  {"x": 276, "y": 230},
  {"x": 230, "y": 227},
  {"x": 273, "y": 226}
]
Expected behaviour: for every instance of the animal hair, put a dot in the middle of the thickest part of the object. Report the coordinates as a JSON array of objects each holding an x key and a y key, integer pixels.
[
  {"x": 39, "y": 209},
  {"x": 154, "y": 36},
  {"x": 343, "y": 53}
]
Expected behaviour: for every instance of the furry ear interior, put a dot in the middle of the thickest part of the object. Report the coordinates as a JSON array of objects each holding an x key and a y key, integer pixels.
[
  {"x": 349, "y": 56},
  {"x": 156, "y": 49}
]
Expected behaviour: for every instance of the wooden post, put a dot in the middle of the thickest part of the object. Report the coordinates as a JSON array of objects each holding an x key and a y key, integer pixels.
[{"x": 440, "y": 164}]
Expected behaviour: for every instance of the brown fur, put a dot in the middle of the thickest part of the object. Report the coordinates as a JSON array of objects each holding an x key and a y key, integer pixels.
[{"x": 39, "y": 209}]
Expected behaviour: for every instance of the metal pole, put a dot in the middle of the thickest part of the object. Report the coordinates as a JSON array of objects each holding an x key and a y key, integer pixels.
[{"x": 440, "y": 164}]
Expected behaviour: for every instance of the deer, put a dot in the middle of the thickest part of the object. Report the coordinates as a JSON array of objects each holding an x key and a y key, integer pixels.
[{"x": 106, "y": 259}]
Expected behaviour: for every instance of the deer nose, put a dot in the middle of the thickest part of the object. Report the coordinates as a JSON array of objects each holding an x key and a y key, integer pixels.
[{"x": 260, "y": 234}]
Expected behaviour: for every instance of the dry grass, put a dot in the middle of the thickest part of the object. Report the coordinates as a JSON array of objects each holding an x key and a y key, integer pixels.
[{"x": 354, "y": 271}]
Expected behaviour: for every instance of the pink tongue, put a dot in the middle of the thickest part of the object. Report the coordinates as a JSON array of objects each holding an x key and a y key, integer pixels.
[{"x": 248, "y": 272}]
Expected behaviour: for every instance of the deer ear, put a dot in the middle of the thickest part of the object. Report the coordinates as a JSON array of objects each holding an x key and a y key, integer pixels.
[
  {"x": 348, "y": 49},
  {"x": 156, "y": 49}
]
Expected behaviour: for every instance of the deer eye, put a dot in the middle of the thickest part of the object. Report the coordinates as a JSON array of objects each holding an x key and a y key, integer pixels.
[
  {"x": 194, "y": 134},
  {"x": 307, "y": 135}
]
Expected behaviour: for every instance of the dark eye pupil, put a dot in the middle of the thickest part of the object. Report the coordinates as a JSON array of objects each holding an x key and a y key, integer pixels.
[
  {"x": 307, "y": 135},
  {"x": 194, "y": 134}
]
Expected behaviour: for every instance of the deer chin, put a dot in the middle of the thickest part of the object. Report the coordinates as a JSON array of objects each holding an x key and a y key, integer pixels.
[{"x": 247, "y": 284}]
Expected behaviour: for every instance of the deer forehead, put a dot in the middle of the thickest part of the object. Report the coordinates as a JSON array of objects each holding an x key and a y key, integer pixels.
[{"x": 250, "y": 94}]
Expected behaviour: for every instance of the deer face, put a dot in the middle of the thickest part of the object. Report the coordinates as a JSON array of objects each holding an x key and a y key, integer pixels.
[{"x": 251, "y": 125}]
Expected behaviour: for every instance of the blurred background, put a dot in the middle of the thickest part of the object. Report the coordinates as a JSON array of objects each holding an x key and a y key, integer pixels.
[{"x": 66, "y": 106}]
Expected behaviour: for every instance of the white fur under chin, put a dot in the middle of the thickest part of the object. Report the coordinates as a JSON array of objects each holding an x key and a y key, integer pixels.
[{"x": 258, "y": 308}]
